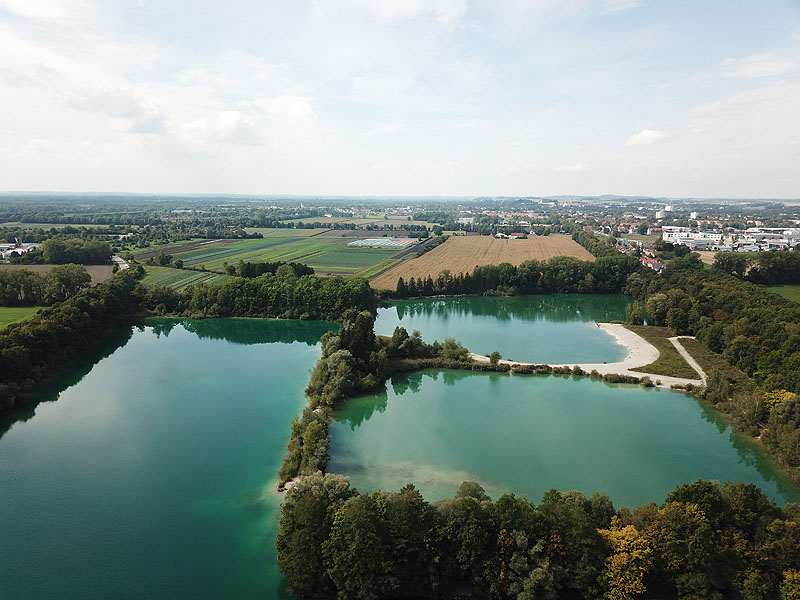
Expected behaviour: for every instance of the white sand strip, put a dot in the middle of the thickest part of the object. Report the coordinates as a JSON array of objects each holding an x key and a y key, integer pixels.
[{"x": 640, "y": 353}]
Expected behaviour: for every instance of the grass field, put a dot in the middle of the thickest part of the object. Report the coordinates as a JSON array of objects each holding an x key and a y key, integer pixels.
[
  {"x": 790, "y": 292},
  {"x": 99, "y": 273},
  {"x": 271, "y": 232},
  {"x": 709, "y": 361},
  {"x": 15, "y": 314},
  {"x": 325, "y": 255},
  {"x": 461, "y": 254},
  {"x": 179, "y": 278},
  {"x": 641, "y": 238},
  {"x": 669, "y": 361}
]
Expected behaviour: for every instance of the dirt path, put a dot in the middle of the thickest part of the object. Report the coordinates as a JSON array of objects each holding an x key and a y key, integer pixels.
[
  {"x": 688, "y": 357},
  {"x": 640, "y": 353}
]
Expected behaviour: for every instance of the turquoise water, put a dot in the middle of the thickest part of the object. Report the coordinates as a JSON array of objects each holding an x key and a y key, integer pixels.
[
  {"x": 528, "y": 434},
  {"x": 549, "y": 328},
  {"x": 152, "y": 476}
]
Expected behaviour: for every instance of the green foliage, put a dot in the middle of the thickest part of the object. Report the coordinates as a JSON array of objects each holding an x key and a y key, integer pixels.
[
  {"x": 59, "y": 251},
  {"x": 31, "y": 349},
  {"x": 705, "y": 541},
  {"x": 282, "y": 295},
  {"x": 561, "y": 274}
]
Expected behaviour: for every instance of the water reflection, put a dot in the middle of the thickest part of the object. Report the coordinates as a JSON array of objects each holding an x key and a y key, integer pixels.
[
  {"x": 546, "y": 307},
  {"x": 67, "y": 376},
  {"x": 247, "y": 331},
  {"x": 633, "y": 428}
]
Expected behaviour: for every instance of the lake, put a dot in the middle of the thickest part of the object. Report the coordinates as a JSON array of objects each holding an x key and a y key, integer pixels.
[
  {"x": 528, "y": 434},
  {"x": 153, "y": 475},
  {"x": 549, "y": 328}
]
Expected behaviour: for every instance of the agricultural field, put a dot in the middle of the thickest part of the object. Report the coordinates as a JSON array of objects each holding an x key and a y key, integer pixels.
[
  {"x": 790, "y": 292},
  {"x": 179, "y": 278},
  {"x": 358, "y": 221},
  {"x": 280, "y": 232},
  {"x": 48, "y": 225},
  {"x": 350, "y": 260},
  {"x": 707, "y": 256},
  {"x": 99, "y": 273},
  {"x": 653, "y": 237},
  {"x": 15, "y": 314},
  {"x": 327, "y": 256},
  {"x": 461, "y": 254}
]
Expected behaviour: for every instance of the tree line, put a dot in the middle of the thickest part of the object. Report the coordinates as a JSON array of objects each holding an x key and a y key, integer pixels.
[
  {"x": 560, "y": 274},
  {"x": 767, "y": 268},
  {"x": 23, "y": 287},
  {"x": 31, "y": 349},
  {"x": 281, "y": 295},
  {"x": 705, "y": 541}
]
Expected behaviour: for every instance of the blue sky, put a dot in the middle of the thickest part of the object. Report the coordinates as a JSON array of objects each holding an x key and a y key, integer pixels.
[{"x": 402, "y": 97}]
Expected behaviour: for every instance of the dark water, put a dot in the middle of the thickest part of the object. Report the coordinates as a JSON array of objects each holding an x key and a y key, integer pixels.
[
  {"x": 152, "y": 476},
  {"x": 549, "y": 328},
  {"x": 528, "y": 434}
]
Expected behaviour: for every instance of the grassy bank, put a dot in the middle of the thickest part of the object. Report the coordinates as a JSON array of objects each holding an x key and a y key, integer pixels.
[
  {"x": 669, "y": 361},
  {"x": 15, "y": 314}
]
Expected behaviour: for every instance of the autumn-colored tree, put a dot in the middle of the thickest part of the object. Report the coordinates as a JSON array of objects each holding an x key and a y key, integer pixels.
[{"x": 629, "y": 562}]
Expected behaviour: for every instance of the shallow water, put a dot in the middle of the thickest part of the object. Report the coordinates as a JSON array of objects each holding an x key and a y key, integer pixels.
[
  {"x": 152, "y": 476},
  {"x": 529, "y": 434},
  {"x": 549, "y": 328}
]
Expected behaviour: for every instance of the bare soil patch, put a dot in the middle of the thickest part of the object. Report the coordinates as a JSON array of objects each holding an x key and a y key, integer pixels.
[
  {"x": 99, "y": 273},
  {"x": 461, "y": 254}
]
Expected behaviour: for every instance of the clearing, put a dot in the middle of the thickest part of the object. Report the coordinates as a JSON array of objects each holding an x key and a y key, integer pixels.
[
  {"x": 99, "y": 273},
  {"x": 461, "y": 254},
  {"x": 15, "y": 314},
  {"x": 707, "y": 256},
  {"x": 669, "y": 361},
  {"x": 790, "y": 292}
]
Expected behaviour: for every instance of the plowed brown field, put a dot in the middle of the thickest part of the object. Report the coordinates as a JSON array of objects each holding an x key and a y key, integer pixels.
[{"x": 461, "y": 254}]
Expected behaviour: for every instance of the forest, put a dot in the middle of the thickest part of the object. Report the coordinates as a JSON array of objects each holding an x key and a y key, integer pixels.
[
  {"x": 23, "y": 287},
  {"x": 705, "y": 541},
  {"x": 31, "y": 349},
  {"x": 560, "y": 274},
  {"x": 281, "y": 295}
]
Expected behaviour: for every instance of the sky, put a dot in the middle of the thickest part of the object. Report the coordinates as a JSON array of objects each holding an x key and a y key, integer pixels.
[{"x": 678, "y": 98}]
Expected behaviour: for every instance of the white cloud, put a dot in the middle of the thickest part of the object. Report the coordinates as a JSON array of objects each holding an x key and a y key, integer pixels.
[
  {"x": 230, "y": 127},
  {"x": 377, "y": 167},
  {"x": 758, "y": 65},
  {"x": 444, "y": 12},
  {"x": 291, "y": 116},
  {"x": 44, "y": 10},
  {"x": 646, "y": 137},
  {"x": 445, "y": 168},
  {"x": 614, "y": 6},
  {"x": 578, "y": 167}
]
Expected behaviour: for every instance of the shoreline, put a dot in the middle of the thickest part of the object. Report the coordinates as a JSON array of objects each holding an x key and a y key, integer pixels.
[{"x": 640, "y": 353}]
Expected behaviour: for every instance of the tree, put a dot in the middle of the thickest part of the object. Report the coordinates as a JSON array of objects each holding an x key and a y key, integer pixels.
[
  {"x": 494, "y": 357},
  {"x": 306, "y": 520},
  {"x": 629, "y": 563},
  {"x": 64, "y": 281}
]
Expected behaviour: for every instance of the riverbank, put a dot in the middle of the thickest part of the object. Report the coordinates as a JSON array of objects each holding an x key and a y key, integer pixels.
[{"x": 640, "y": 353}]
